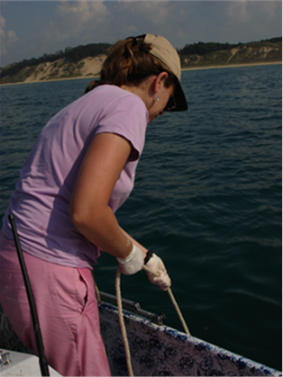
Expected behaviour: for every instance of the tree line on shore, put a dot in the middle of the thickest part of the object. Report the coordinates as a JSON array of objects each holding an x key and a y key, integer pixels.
[
  {"x": 74, "y": 55},
  {"x": 201, "y": 48}
]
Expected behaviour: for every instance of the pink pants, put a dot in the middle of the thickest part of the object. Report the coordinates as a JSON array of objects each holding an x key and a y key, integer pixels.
[{"x": 67, "y": 311}]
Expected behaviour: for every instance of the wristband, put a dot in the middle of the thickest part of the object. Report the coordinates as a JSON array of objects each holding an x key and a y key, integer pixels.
[{"x": 148, "y": 256}]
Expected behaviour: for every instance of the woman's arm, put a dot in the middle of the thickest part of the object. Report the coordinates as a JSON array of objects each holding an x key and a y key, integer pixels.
[{"x": 100, "y": 170}]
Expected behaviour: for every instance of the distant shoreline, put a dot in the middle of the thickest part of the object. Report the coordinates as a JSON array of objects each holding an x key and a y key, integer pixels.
[
  {"x": 231, "y": 66},
  {"x": 183, "y": 69}
]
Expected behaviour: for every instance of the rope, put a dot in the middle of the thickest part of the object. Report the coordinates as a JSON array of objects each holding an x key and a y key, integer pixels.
[
  {"x": 178, "y": 311},
  {"x": 97, "y": 292},
  {"x": 122, "y": 323},
  {"x": 174, "y": 302},
  {"x": 121, "y": 318}
]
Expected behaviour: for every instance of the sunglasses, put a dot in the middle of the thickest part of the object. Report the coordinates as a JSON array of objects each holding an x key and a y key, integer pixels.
[{"x": 171, "y": 104}]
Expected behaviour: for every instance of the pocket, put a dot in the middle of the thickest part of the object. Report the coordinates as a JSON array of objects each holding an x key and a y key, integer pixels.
[{"x": 82, "y": 291}]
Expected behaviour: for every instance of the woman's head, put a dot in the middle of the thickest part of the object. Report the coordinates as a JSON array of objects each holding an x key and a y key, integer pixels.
[{"x": 132, "y": 60}]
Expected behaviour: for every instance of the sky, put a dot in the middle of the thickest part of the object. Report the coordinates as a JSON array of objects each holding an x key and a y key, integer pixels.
[{"x": 32, "y": 28}]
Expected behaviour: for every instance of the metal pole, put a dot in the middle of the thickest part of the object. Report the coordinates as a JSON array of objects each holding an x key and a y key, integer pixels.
[{"x": 39, "y": 342}]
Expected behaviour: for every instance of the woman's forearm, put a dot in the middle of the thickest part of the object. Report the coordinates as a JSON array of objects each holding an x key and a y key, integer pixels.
[
  {"x": 104, "y": 232},
  {"x": 143, "y": 249}
]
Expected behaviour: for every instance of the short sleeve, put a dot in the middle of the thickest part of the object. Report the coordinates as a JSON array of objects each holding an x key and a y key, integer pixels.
[{"x": 126, "y": 116}]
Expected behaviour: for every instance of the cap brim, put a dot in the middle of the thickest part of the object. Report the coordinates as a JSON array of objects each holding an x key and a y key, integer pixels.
[{"x": 180, "y": 99}]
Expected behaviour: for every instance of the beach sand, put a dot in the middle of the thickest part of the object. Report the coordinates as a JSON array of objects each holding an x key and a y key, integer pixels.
[{"x": 230, "y": 66}]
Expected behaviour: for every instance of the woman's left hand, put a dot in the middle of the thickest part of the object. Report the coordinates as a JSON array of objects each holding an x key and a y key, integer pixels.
[{"x": 163, "y": 280}]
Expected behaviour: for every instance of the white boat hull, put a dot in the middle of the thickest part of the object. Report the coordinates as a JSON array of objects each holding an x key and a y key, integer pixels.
[{"x": 22, "y": 364}]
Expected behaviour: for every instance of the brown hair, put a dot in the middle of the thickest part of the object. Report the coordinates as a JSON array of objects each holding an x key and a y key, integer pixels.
[{"x": 128, "y": 62}]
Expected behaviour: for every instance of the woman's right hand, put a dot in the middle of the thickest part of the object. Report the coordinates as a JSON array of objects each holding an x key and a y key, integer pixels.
[{"x": 133, "y": 262}]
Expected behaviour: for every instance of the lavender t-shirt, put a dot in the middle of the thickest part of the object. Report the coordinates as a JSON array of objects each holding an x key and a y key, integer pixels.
[{"x": 41, "y": 200}]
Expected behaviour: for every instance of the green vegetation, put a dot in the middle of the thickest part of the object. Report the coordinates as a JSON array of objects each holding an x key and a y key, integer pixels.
[
  {"x": 202, "y": 49},
  {"x": 19, "y": 76}
]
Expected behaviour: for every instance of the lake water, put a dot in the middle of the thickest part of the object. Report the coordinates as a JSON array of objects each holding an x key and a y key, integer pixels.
[{"x": 207, "y": 199}]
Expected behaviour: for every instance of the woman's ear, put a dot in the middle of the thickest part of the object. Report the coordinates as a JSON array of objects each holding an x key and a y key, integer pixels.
[
  {"x": 159, "y": 80},
  {"x": 163, "y": 76}
]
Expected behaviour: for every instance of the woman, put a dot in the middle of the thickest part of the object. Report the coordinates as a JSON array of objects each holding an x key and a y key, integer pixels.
[{"x": 79, "y": 172}]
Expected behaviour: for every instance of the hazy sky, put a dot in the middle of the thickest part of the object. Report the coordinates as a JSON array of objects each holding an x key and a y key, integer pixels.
[{"x": 32, "y": 28}]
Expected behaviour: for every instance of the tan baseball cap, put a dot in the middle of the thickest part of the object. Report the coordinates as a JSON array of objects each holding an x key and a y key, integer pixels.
[{"x": 164, "y": 51}]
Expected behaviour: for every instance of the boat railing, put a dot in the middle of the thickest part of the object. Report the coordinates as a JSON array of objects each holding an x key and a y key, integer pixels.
[{"x": 134, "y": 307}]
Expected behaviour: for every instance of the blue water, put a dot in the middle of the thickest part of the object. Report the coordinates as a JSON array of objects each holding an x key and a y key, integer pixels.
[{"x": 207, "y": 199}]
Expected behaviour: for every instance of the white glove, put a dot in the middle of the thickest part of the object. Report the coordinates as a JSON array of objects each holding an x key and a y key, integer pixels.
[
  {"x": 133, "y": 262},
  {"x": 163, "y": 280}
]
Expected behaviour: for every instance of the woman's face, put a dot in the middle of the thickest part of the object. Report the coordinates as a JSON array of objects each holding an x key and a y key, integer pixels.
[{"x": 163, "y": 94}]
